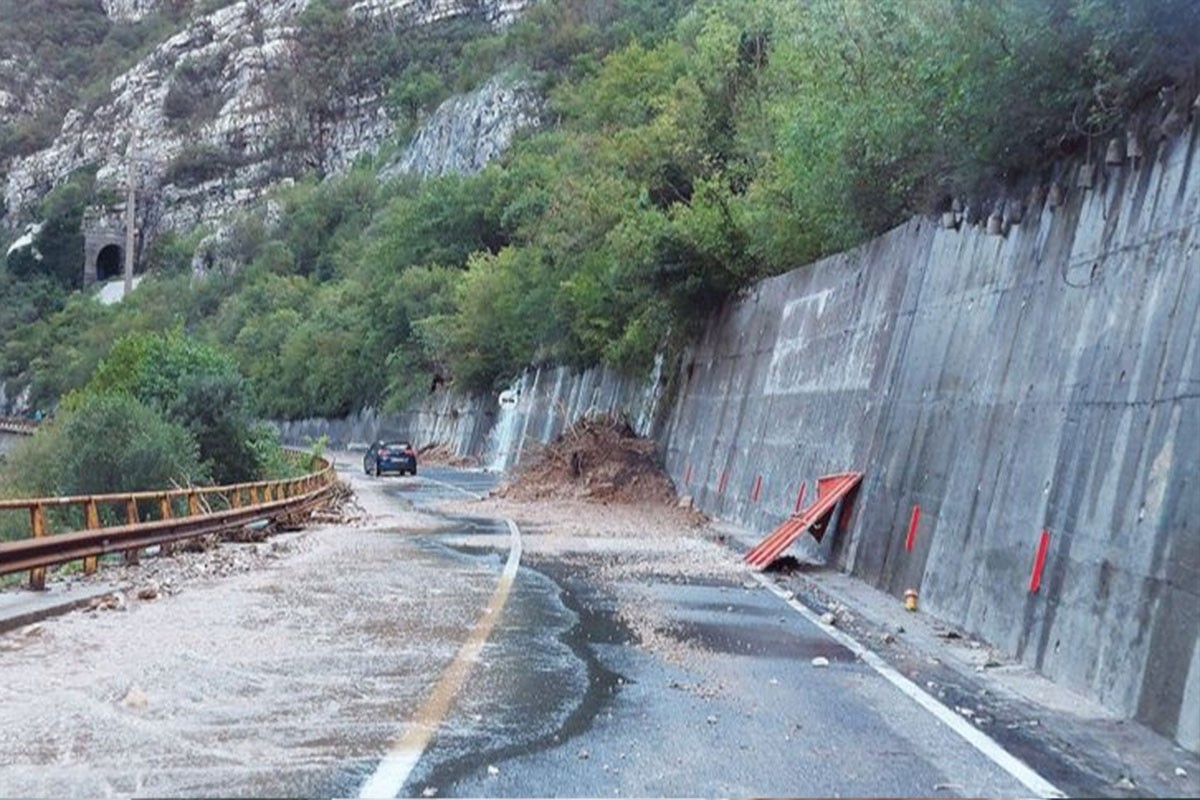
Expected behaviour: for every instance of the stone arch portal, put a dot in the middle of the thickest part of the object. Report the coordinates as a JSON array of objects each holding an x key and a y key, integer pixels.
[
  {"x": 110, "y": 263},
  {"x": 103, "y": 232}
]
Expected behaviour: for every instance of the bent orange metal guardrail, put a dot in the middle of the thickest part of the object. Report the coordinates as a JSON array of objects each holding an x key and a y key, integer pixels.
[{"x": 179, "y": 514}]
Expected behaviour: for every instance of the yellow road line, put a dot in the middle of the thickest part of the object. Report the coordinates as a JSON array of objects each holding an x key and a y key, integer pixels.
[{"x": 403, "y": 753}]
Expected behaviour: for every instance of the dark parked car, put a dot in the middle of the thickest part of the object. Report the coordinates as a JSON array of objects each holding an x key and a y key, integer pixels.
[{"x": 390, "y": 456}]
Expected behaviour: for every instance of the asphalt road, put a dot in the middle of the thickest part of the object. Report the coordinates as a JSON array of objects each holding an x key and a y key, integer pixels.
[
  {"x": 304, "y": 676},
  {"x": 563, "y": 702}
]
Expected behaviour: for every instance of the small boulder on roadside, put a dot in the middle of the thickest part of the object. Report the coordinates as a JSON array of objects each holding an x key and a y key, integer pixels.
[
  {"x": 114, "y": 601},
  {"x": 150, "y": 591},
  {"x": 135, "y": 699}
]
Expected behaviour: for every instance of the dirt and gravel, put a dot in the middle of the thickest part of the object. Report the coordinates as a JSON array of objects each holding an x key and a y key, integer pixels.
[
  {"x": 596, "y": 502},
  {"x": 599, "y": 459},
  {"x": 246, "y": 668}
]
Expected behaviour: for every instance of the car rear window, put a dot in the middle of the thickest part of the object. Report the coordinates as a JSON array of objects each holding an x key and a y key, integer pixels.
[{"x": 398, "y": 447}]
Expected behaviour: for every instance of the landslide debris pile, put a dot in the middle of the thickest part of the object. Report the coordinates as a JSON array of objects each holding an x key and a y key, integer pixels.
[{"x": 599, "y": 459}]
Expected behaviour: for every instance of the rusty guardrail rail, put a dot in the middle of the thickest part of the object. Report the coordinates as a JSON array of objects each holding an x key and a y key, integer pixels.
[{"x": 125, "y": 523}]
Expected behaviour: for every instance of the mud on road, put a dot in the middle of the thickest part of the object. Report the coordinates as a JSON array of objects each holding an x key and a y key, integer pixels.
[
  {"x": 286, "y": 675},
  {"x": 635, "y": 657}
]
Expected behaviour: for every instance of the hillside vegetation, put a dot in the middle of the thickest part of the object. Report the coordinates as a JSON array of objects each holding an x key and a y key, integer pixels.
[
  {"x": 694, "y": 148},
  {"x": 63, "y": 54}
]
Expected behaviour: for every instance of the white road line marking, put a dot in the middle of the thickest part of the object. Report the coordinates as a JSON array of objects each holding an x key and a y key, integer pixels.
[
  {"x": 985, "y": 744},
  {"x": 393, "y": 770}
]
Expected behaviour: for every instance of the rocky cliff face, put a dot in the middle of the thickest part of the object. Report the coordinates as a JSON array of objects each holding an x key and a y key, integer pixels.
[
  {"x": 129, "y": 10},
  {"x": 214, "y": 116},
  {"x": 467, "y": 131}
]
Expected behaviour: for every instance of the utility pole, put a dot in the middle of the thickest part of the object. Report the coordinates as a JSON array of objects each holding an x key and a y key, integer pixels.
[{"x": 130, "y": 217}]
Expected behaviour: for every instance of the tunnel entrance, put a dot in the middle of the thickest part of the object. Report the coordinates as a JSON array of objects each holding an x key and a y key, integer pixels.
[{"x": 108, "y": 263}]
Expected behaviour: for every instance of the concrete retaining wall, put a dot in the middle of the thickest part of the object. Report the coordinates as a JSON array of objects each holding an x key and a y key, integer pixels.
[
  {"x": 462, "y": 423},
  {"x": 496, "y": 429},
  {"x": 1047, "y": 379}
]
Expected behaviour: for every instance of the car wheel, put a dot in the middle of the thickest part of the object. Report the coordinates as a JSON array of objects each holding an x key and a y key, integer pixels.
[{"x": 377, "y": 469}]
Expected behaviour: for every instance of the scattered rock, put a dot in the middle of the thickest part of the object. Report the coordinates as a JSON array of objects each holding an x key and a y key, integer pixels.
[
  {"x": 949, "y": 634},
  {"x": 820, "y": 661},
  {"x": 711, "y": 720},
  {"x": 1180, "y": 772},
  {"x": 31, "y": 630},
  {"x": 1125, "y": 782},
  {"x": 784, "y": 565},
  {"x": 493, "y": 770},
  {"x": 584, "y": 754},
  {"x": 114, "y": 601},
  {"x": 135, "y": 699},
  {"x": 685, "y": 501},
  {"x": 828, "y": 618},
  {"x": 149, "y": 592},
  {"x": 966, "y": 712},
  {"x": 429, "y": 791},
  {"x": 991, "y": 663},
  {"x": 887, "y": 638}
]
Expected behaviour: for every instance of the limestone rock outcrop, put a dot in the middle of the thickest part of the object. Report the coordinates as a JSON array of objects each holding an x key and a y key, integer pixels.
[
  {"x": 129, "y": 10},
  {"x": 212, "y": 117},
  {"x": 467, "y": 131}
]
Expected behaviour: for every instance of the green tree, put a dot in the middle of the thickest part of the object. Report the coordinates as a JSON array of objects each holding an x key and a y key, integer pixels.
[
  {"x": 192, "y": 385},
  {"x": 103, "y": 444}
]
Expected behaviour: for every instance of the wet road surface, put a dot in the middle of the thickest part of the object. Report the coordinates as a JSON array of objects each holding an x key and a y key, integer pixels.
[
  {"x": 295, "y": 680},
  {"x": 564, "y": 702}
]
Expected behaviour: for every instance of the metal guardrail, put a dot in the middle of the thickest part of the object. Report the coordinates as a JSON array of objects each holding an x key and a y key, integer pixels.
[{"x": 126, "y": 523}]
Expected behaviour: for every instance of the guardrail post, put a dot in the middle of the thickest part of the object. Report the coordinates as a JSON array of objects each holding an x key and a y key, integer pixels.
[
  {"x": 37, "y": 520},
  {"x": 268, "y": 494},
  {"x": 193, "y": 502},
  {"x": 253, "y": 495},
  {"x": 164, "y": 511},
  {"x": 92, "y": 515},
  {"x": 131, "y": 517},
  {"x": 235, "y": 498}
]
